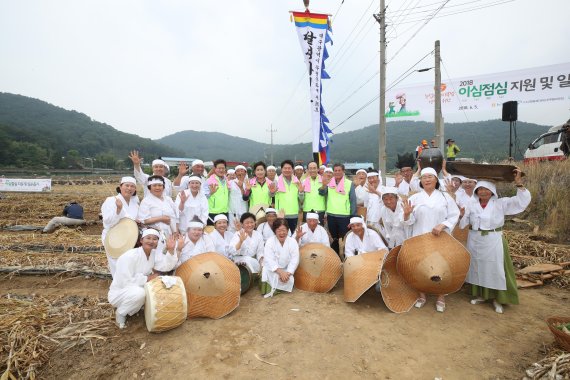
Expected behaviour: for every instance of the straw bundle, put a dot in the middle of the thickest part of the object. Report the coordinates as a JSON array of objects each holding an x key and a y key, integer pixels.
[
  {"x": 555, "y": 366},
  {"x": 63, "y": 240},
  {"x": 50, "y": 263}
]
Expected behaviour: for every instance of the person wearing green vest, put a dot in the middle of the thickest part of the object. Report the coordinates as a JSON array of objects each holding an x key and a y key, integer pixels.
[
  {"x": 289, "y": 192},
  {"x": 452, "y": 150},
  {"x": 260, "y": 189},
  {"x": 340, "y": 205},
  {"x": 215, "y": 188},
  {"x": 313, "y": 202}
]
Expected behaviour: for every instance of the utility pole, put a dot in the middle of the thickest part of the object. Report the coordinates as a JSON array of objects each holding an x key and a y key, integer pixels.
[
  {"x": 271, "y": 130},
  {"x": 381, "y": 18},
  {"x": 438, "y": 117}
]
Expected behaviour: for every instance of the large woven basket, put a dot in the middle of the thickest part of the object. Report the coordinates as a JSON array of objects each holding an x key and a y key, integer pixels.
[
  {"x": 561, "y": 337},
  {"x": 319, "y": 268}
]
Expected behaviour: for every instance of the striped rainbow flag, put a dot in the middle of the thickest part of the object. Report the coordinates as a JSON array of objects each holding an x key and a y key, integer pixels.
[{"x": 313, "y": 20}]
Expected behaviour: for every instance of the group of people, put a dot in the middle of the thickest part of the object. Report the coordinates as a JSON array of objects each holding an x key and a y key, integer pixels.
[
  {"x": 451, "y": 148},
  {"x": 302, "y": 205}
]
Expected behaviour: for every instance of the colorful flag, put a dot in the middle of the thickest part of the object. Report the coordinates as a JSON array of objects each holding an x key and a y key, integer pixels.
[{"x": 313, "y": 31}]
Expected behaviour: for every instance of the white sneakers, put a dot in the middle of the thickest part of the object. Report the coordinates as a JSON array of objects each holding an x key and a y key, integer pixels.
[
  {"x": 477, "y": 301},
  {"x": 498, "y": 307},
  {"x": 121, "y": 320}
]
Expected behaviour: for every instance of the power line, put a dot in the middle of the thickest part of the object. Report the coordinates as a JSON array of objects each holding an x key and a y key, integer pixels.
[{"x": 451, "y": 6}]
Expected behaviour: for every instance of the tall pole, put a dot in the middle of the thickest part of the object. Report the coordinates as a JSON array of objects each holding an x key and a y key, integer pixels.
[
  {"x": 438, "y": 117},
  {"x": 271, "y": 130},
  {"x": 382, "y": 136}
]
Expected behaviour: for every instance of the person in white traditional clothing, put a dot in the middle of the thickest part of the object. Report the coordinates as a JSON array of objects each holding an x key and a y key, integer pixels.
[
  {"x": 463, "y": 198},
  {"x": 322, "y": 169},
  {"x": 374, "y": 202},
  {"x": 158, "y": 210},
  {"x": 123, "y": 205},
  {"x": 181, "y": 181},
  {"x": 280, "y": 261},
  {"x": 221, "y": 236},
  {"x": 231, "y": 174},
  {"x": 159, "y": 168},
  {"x": 361, "y": 239},
  {"x": 266, "y": 228},
  {"x": 191, "y": 203},
  {"x": 491, "y": 273},
  {"x": 403, "y": 180},
  {"x": 392, "y": 217},
  {"x": 194, "y": 243},
  {"x": 246, "y": 246},
  {"x": 238, "y": 199},
  {"x": 430, "y": 210},
  {"x": 299, "y": 172},
  {"x": 312, "y": 232},
  {"x": 135, "y": 268},
  {"x": 271, "y": 173},
  {"x": 359, "y": 187}
]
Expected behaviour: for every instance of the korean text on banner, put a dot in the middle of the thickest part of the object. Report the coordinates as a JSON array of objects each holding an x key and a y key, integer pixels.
[
  {"x": 313, "y": 31},
  {"x": 25, "y": 185}
]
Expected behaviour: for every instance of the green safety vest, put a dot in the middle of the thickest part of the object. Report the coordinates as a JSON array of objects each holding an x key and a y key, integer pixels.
[
  {"x": 339, "y": 204},
  {"x": 289, "y": 200},
  {"x": 259, "y": 194},
  {"x": 313, "y": 200},
  {"x": 219, "y": 201},
  {"x": 452, "y": 151}
]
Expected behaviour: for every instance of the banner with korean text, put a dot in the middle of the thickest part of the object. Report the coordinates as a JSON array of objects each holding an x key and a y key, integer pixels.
[
  {"x": 25, "y": 185},
  {"x": 313, "y": 32},
  {"x": 483, "y": 92}
]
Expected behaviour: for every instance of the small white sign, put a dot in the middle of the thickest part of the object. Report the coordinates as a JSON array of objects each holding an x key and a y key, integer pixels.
[{"x": 25, "y": 185}]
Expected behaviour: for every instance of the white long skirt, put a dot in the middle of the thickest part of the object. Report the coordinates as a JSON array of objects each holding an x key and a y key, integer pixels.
[{"x": 128, "y": 300}]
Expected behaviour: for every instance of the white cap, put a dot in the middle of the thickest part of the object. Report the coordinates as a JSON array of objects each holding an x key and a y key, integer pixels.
[
  {"x": 197, "y": 162},
  {"x": 312, "y": 215},
  {"x": 158, "y": 162},
  {"x": 470, "y": 179},
  {"x": 372, "y": 174},
  {"x": 231, "y": 171},
  {"x": 460, "y": 177},
  {"x": 271, "y": 167},
  {"x": 150, "y": 231},
  {"x": 299, "y": 167},
  {"x": 488, "y": 185},
  {"x": 356, "y": 219},
  {"x": 323, "y": 167},
  {"x": 428, "y": 171},
  {"x": 128, "y": 180},
  {"x": 240, "y": 167},
  {"x": 361, "y": 171},
  {"x": 155, "y": 181},
  {"x": 220, "y": 217},
  {"x": 328, "y": 170},
  {"x": 389, "y": 190},
  {"x": 194, "y": 178},
  {"x": 268, "y": 210}
]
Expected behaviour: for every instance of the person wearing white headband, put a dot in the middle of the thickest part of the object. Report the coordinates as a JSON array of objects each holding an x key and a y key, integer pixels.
[
  {"x": 231, "y": 174},
  {"x": 158, "y": 210},
  {"x": 194, "y": 242},
  {"x": 221, "y": 237},
  {"x": 359, "y": 183},
  {"x": 430, "y": 210},
  {"x": 491, "y": 273},
  {"x": 191, "y": 203},
  {"x": 134, "y": 269},
  {"x": 392, "y": 217},
  {"x": 373, "y": 203},
  {"x": 271, "y": 172},
  {"x": 123, "y": 205},
  {"x": 299, "y": 172},
  {"x": 266, "y": 228},
  {"x": 361, "y": 240},
  {"x": 181, "y": 181},
  {"x": 159, "y": 168},
  {"x": 238, "y": 196},
  {"x": 312, "y": 232},
  {"x": 246, "y": 247},
  {"x": 322, "y": 169}
]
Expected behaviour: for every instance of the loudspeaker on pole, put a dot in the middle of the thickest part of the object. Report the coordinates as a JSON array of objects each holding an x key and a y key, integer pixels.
[{"x": 510, "y": 111}]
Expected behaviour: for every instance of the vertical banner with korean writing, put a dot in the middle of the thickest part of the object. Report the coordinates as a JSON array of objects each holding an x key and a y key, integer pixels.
[{"x": 313, "y": 31}]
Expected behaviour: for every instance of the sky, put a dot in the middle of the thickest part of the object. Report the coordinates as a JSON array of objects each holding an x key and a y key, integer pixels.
[{"x": 154, "y": 68}]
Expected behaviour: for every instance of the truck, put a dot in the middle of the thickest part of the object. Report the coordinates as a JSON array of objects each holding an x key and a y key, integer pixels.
[{"x": 549, "y": 146}]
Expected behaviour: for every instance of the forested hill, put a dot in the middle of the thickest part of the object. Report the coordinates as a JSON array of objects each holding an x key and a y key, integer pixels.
[
  {"x": 35, "y": 133},
  {"x": 486, "y": 140}
]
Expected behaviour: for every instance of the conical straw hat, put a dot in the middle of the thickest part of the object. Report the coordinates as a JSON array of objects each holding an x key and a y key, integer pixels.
[
  {"x": 361, "y": 272},
  {"x": 259, "y": 210},
  {"x": 121, "y": 237},
  {"x": 434, "y": 264},
  {"x": 319, "y": 268},
  {"x": 212, "y": 285},
  {"x": 209, "y": 229},
  {"x": 398, "y": 296}
]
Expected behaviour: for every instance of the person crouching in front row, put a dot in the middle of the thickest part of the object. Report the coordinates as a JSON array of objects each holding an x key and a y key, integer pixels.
[
  {"x": 361, "y": 239},
  {"x": 136, "y": 267}
]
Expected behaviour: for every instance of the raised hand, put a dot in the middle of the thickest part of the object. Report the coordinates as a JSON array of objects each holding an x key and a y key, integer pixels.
[
  {"x": 247, "y": 186},
  {"x": 213, "y": 188},
  {"x": 407, "y": 207},
  {"x": 170, "y": 243},
  {"x": 449, "y": 186},
  {"x": 237, "y": 224},
  {"x": 183, "y": 168},
  {"x": 119, "y": 205},
  {"x": 273, "y": 187},
  {"x": 242, "y": 235},
  {"x": 135, "y": 158},
  {"x": 300, "y": 187},
  {"x": 299, "y": 233},
  {"x": 183, "y": 197},
  {"x": 518, "y": 176},
  {"x": 398, "y": 178}
]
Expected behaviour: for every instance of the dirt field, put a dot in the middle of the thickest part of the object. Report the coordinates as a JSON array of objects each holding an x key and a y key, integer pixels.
[{"x": 297, "y": 335}]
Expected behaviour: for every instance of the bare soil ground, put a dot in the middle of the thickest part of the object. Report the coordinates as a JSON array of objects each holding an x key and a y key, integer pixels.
[{"x": 300, "y": 335}]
